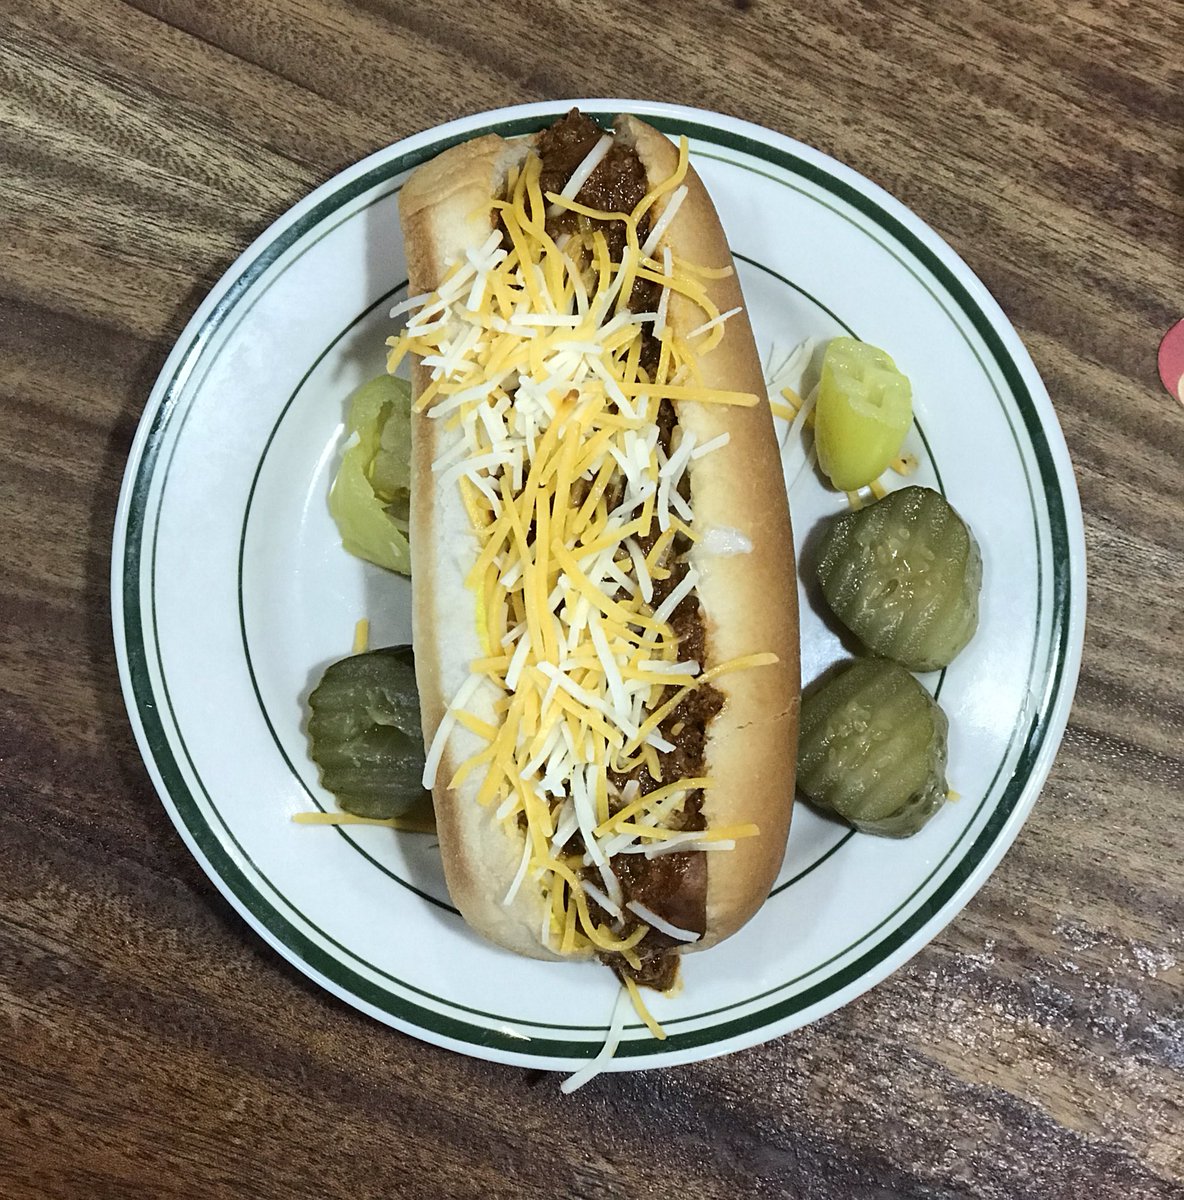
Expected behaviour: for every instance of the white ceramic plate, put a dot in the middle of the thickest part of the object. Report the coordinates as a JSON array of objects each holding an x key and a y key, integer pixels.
[{"x": 231, "y": 592}]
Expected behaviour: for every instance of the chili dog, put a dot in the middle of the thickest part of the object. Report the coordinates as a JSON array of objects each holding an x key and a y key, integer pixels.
[{"x": 605, "y": 616}]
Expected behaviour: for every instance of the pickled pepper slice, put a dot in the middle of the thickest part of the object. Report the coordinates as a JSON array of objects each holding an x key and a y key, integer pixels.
[
  {"x": 371, "y": 493},
  {"x": 865, "y": 408}
]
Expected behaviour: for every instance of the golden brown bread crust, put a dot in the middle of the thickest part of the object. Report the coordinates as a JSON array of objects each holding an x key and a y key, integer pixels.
[{"x": 749, "y": 601}]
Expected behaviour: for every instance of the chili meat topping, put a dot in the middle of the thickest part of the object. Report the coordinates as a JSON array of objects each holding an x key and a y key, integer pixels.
[{"x": 674, "y": 886}]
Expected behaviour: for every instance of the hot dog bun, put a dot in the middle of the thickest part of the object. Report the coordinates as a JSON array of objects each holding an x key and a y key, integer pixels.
[{"x": 747, "y": 597}]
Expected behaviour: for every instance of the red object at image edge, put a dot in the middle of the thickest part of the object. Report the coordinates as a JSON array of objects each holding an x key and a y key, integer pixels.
[{"x": 1171, "y": 360}]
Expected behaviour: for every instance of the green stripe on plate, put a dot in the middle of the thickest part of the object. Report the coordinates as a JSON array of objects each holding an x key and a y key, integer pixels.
[{"x": 222, "y": 861}]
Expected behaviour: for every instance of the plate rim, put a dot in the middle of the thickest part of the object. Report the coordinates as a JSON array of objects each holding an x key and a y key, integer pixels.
[{"x": 1065, "y": 663}]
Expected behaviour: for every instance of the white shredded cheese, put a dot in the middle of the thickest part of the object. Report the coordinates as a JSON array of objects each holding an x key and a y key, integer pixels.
[
  {"x": 612, "y": 1040},
  {"x": 436, "y": 750},
  {"x": 684, "y": 588},
  {"x": 709, "y": 325},
  {"x": 519, "y": 875},
  {"x": 660, "y": 923},
  {"x": 583, "y": 172},
  {"x": 663, "y": 222},
  {"x": 613, "y": 910}
]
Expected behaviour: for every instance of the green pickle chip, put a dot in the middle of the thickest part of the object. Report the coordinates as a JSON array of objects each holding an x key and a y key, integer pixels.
[
  {"x": 365, "y": 733},
  {"x": 370, "y": 497},
  {"x": 872, "y": 749},
  {"x": 904, "y": 576}
]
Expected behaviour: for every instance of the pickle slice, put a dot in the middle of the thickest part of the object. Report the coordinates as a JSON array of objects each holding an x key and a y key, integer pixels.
[
  {"x": 904, "y": 576},
  {"x": 872, "y": 749},
  {"x": 365, "y": 733}
]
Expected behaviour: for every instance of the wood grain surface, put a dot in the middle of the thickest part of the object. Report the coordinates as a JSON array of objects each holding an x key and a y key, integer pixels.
[{"x": 151, "y": 1045}]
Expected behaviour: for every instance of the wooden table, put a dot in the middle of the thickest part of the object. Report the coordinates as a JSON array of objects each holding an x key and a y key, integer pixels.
[{"x": 151, "y": 1045}]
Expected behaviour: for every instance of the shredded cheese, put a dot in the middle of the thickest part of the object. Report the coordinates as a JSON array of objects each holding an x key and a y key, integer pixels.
[
  {"x": 643, "y": 1012},
  {"x": 661, "y": 924},
  {"x": 549, "y": 431},
  {"x": 592, "y": 160},
  {"x": 612, "y": 1040},
  {"x": 410, "y": 824}
]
